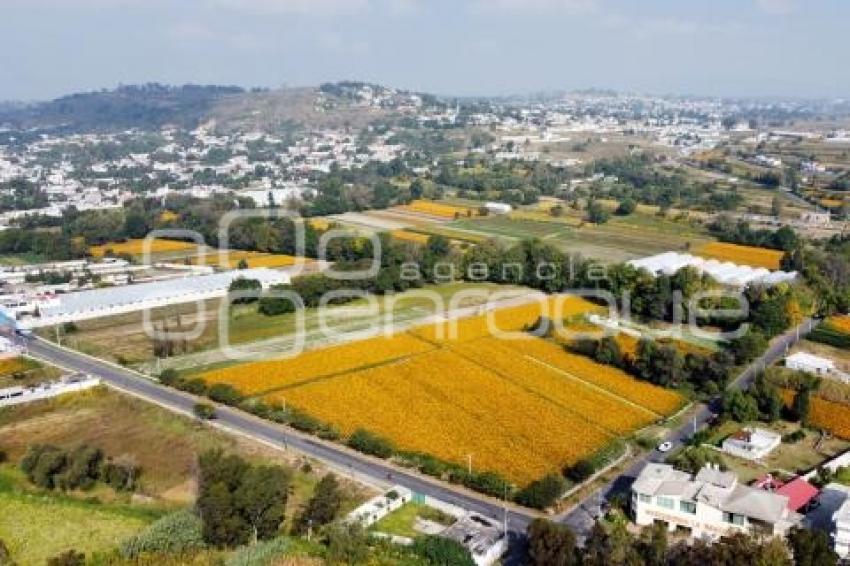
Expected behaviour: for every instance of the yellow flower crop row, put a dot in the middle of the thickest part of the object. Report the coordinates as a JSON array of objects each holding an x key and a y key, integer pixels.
[
  {"x": 432, "y": 208},
  {"x": 232, "y": 259},
  {"x": 445, "y": 405},
  {"x": 137, "y": 247},
  {"x": 255, "y": 377},
  {"x": 657, "y": 399},
  {"x": 742, "y": 255},
  {"x": 840, "y": 322},
  {"x": 559, "y": 387},
  {"x": 407, "y": 236},
  {"x": 827, "y": 415},
  {"x": 506, "y": 320}
]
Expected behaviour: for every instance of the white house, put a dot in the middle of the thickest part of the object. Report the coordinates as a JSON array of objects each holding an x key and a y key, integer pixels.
[
  {"x": 841, "y": 532},
  {"x": 483, "y": 537},
  {"x": 751, "y": 443},
  {"x": 707, "y": 505},
  {"x": 815, "y": 218},
  {"x": 810, "y": 363}
]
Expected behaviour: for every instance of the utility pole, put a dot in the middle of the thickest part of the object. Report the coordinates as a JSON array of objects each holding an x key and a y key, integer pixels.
[
  {"x": 469, "y": 463},
  {"x": 505, "y": 510},
  {"x": 695, "y": 424},
  {"x": 58, "y": 337}
]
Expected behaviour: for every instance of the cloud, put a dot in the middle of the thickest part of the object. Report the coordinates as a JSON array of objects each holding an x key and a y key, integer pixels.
[
  {"x": 296, "y": 7},
  {"x": 777, "y": 6},
  {"x": 535, "y": 7}
]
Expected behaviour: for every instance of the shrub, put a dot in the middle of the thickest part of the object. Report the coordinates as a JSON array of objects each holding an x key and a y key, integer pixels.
[
  {"x": 224, "y": 393},
  {"x": 204, "y": 411},
  {"x": 68, "y": 558},
  {"x": 542, "y": 493},
  {"x": 259, "y": 554},
  {"x": 176, "y": 533},
  {"x": 169, "y": 376},
  {"x": 369, "y": 443},
  {"x": 438, "y": 550}
]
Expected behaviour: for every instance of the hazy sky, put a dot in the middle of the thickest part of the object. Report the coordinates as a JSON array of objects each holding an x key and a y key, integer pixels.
[{"x": 715, "y": 47}]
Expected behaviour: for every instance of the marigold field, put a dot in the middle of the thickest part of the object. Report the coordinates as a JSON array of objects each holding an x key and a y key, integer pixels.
[
  {"x": 232, "y": 259},
  {"x": 827, "y": 415},
  {"x": 441, "y": 210},
  {"x": 742, "y": 255},
  {"x": 408, "y": 236},
  {"x": 521, "y": 407},
  {"x": 840, "y": 322},
  {"x": 137, "y": 247}
]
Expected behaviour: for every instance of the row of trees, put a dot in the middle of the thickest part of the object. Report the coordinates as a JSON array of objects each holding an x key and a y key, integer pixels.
[
  {"x": 610, "y": 544},
  {"x": 51, "y": 467}
]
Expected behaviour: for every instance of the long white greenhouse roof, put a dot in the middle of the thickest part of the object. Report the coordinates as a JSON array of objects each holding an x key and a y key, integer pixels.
[
  {"x": 724, "y": 272},
  {"x": 171, "y": 291}
]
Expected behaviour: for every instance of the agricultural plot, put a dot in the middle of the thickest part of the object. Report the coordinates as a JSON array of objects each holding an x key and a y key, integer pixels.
[
  {"x": 522, "y": 407},
  {"x": 407, "y": 236},
  {"x": 824, "y": 414},
  {"x": 19, "y": 370},
  {"x": 233, "y": 259},
  {"x": 741, "y": 255},
  {"x": 437, "y": 209},
  {"x": 137, "y": 247}
]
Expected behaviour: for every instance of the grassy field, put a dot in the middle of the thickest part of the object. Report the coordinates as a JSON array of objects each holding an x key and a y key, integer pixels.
[
  {"x": 36, "y": 526},
  {"x": 402, "y": 521},
  {"x": 163, "y": 444},
  {"x": 123, "y": 337},
  {"x": 617, "y": 240}
]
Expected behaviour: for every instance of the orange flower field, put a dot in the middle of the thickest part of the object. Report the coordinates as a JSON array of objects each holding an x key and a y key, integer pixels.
[
  {"x": 232, "y": 259},
  {"x": 742, "y": 255},
  {"x": 137, "y": 247},
  {"x": 827, "y": 415},
  {"x": 521, "y": 407},
  {"x": 441, "y": 210},
  {"x": 408, "y": 236}
]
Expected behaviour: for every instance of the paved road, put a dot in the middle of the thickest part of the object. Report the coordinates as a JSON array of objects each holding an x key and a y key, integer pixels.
[
  {"x": 345, "y": 461},
  {"x": 583, "y": 515}
]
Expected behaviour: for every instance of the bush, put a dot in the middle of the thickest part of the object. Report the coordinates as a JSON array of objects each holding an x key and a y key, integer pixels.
[
  {"x": 68, "y": 558},
  {"x": 169, "y": 377},
  {"x": 260, "y": 554},
  {"x": 542, "y": 493},
  {"x": 369, "y": 443},
  {"x": 580, "y": 471},
  {"x": 441, "y": 551},
  {"x": 204, "y": 411},
  {"x": 176, "y": 533},
  {"x": 224, "y": 393},
  {"x": 196, "y": 386}
]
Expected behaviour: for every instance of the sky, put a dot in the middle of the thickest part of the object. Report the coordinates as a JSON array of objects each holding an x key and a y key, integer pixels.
[{"x": 795, "y": 48}]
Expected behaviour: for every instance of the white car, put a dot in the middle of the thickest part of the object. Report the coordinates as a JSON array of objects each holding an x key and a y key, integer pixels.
[{"x": 665, "y": 446}]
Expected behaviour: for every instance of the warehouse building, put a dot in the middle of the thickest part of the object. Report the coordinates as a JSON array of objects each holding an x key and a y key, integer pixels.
[{"x": 110, "y": 301}]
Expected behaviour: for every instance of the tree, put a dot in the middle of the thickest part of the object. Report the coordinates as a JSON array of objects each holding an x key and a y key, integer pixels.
[
  {"x": 811, "y": 548},
  {"x": 596, "y": 213},
  {"x": 322, "y": 507},
  {"x": 441, "y": 551},
  {"x": 653, "y": 544},
  {"x": 238, "y": 502},
  {"x": 801, "y": 406},
  {"x": 626, "y": 207},
  {"x": 262, "y": 499},
  {"x": 776, "y": 206},
  {"x": 551, "y": 544},
  {"x": 243, "y": 290},
  {"x": 740, "y": 406},
  {"x": 370, "y": 443}
]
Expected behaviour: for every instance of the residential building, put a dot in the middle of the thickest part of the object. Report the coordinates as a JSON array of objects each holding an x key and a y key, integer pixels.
[
  {"x": 707, "y": 505},
  {"x": 751, "y": 443}
]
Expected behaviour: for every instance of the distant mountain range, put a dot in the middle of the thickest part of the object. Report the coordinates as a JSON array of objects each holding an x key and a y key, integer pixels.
[{"x": 151, "y": 106}]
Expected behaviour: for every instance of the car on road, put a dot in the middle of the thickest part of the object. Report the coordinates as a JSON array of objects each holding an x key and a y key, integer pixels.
[{"x": 665, "y": 446}]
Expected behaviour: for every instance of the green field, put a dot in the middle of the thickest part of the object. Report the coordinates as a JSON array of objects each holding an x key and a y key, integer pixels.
[
  {"x": 123, "y": 338},
  {"x": 401, "y": 521},
  {"x": 36, "y": 525},
  {"x": 617, "y": 240}
]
